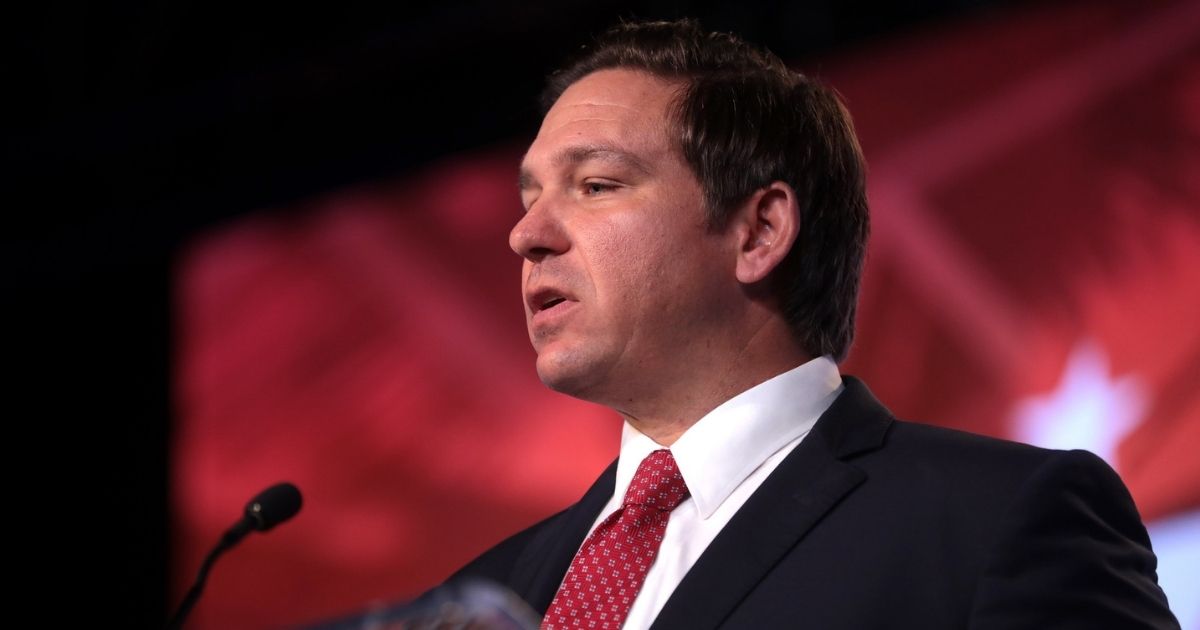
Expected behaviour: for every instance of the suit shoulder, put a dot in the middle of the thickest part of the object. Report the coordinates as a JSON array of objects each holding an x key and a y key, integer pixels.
[
  {"x": 967, "y": 463},
  {"x": 952, "y": 446},
  {"x": 1071, "y": 533}
]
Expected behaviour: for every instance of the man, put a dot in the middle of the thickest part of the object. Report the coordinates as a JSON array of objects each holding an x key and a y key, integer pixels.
[{"x": 693, "y": 238}]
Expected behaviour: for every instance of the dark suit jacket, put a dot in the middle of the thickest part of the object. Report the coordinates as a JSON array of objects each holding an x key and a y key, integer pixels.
[{"x": 875, "y": 523}]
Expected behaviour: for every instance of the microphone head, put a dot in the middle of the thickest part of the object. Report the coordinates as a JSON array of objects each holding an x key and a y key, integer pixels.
[{"x": 273, "y": 506}]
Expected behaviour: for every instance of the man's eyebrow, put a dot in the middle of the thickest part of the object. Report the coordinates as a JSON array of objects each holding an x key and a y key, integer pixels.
[
  {"x": 605, "y": 153},
  {"x": 525, "y": 180},
  {"x": 572, "y": 156}
]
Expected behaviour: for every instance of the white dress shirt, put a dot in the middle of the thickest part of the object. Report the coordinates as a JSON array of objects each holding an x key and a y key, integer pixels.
[{"x": 723, "y": 458}]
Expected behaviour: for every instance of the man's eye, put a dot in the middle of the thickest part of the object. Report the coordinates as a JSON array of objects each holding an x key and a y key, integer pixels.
[{"x": 595, "y": 188}]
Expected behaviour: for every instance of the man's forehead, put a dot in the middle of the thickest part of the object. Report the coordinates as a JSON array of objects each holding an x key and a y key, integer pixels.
[
  {"x": 615, "y": 96},
  {"x": 614, "y": 115},
  {"x": 575, "y": 154}
]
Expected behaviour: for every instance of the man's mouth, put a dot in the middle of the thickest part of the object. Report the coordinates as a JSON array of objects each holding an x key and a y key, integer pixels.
[{"x": 545, "y": 299}]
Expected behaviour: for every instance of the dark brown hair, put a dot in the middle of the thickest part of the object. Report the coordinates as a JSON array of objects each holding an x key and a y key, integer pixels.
[{"x": 744, "y": 120}]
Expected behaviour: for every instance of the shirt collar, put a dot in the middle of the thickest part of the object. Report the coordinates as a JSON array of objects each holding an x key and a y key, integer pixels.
[{"x": 718, "y": 452}]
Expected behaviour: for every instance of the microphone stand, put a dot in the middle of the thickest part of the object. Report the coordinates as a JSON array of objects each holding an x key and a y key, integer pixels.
[{"x": 231, "y": 537}]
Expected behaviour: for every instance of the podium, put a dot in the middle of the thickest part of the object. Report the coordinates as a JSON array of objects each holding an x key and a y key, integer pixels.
[{"x": 466, "y": 605}]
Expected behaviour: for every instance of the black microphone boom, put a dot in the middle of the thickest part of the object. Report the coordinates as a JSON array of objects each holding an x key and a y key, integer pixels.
[{"x": 270, "y": 508}]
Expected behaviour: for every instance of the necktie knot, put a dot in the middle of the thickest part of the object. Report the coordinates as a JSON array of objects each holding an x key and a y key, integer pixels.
[
  {"x": 607, "y": 573},
  {"x": 657, "y": 483}
]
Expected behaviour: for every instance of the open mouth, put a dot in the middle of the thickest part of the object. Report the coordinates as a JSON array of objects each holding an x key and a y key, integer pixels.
[{"x": 546, "y": 299}]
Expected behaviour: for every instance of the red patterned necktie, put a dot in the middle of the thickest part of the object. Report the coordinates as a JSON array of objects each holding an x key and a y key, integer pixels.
[{"x": 609, "y": 569}]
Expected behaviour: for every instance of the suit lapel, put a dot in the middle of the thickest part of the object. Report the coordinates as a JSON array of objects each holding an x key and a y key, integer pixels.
[
  {"x": 539, "y": 571},
  {"x": 805, "y": 486}
]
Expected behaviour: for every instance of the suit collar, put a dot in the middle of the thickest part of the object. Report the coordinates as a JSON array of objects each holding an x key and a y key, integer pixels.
[
  {"x": 540, "y": 569},
  {"x": 855, "y": 423},
  {"x": 806, "y": 485}
]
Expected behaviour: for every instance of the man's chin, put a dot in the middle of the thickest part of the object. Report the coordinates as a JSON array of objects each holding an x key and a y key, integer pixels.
[
  {"x": 563, "y": 383},
  {"x": 567, "y": 375}
]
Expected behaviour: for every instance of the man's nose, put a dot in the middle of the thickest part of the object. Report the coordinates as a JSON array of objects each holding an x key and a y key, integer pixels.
[{"x": 540, "y": 233}]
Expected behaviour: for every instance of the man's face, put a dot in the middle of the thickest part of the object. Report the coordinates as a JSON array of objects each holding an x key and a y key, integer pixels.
[{"x": 622, "y": 280}]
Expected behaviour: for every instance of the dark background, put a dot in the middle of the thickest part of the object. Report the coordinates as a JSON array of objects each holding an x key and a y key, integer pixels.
[{"x": 134, "y": 127}]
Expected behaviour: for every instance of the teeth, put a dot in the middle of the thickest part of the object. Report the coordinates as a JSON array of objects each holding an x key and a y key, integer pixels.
[{"x": 551, "y": 303}]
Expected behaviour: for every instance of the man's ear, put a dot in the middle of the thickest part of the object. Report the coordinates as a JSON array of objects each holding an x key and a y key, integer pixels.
[{"x": 767, "y": 226}]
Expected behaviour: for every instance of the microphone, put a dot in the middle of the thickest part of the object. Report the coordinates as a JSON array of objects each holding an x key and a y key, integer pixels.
[
  {"x": 273, "y": 506},
  {"x": 269, "y": 508}
]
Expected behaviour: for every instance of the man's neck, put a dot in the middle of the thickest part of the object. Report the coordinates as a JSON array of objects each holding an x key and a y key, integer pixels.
[{"x": 665, "y": 423}]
